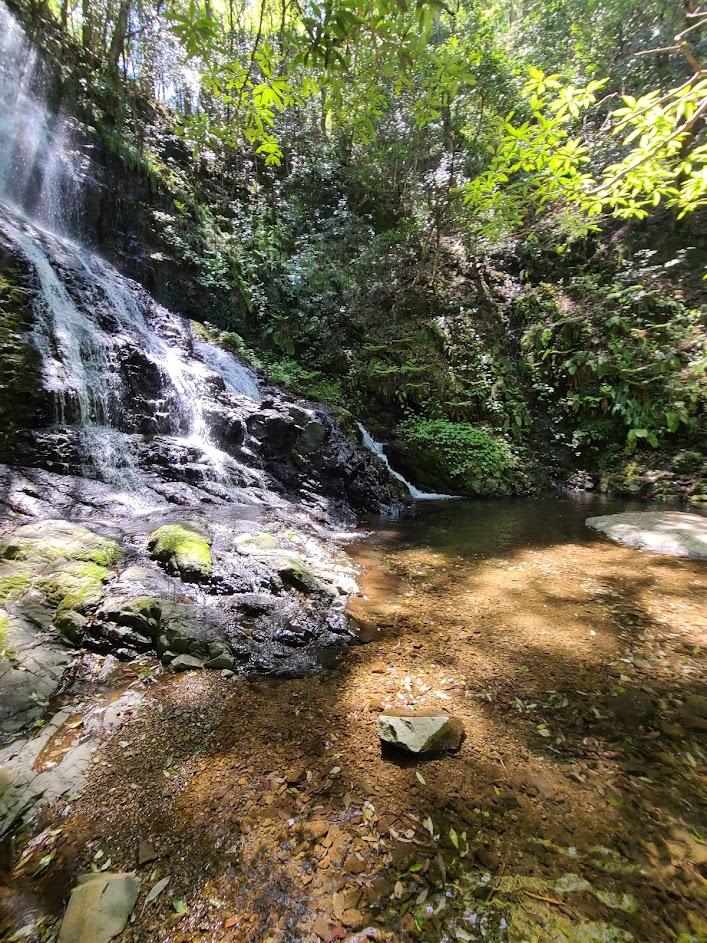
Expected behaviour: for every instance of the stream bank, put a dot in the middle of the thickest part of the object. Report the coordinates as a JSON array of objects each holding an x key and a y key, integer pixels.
[{"x": 575, "y": 809}]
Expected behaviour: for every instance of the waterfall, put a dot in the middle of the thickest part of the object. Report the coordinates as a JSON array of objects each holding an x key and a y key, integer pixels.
[
  {"x": 234, "y": 374},
  {"x": 108, "y": 349},
  {"x": 377, "y": 449},
  {"x": 43, "y": 166}
]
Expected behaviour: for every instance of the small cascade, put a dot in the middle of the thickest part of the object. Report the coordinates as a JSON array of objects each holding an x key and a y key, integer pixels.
[
  {"x": 99, "y": 335},
  {"x": 377, "y": 449},
  {"x": 237, "y": 377},
  {"x": 119, "y": 367},
  {"x": 139, "y": 402}
]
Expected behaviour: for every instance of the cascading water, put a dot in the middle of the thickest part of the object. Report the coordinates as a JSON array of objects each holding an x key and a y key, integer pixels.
[
  {"x": 377, "y": 449},
  {"x": 98, "y": 333},
  {"x": 43, "y": 166}
]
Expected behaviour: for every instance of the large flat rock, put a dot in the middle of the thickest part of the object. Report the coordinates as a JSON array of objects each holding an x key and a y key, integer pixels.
[
  {"x": 99, "y": 908},
  {"x": 676, "y": 533}
]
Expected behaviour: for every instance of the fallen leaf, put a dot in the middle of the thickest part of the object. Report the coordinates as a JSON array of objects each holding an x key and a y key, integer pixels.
[
  {"x": 179, "y": 906},
  {"x": 421, "y": 778},
  {"x": 44, "y": 863},
  {"x": 231, "y": 922},
  {"x": 157, "y": 890}
]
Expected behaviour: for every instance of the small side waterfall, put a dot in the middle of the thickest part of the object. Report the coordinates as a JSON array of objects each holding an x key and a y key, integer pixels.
[
  {"x": 234, "y": 374},
  {"x": 377, "y": 449}
]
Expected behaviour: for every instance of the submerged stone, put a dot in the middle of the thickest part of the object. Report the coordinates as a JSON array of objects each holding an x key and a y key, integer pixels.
[
  {"x": 676, "y": 533},
  {"x": 99, "y": 908},
  {"x": 183, "y": 548},
  {"x": 421, "y": 731}
]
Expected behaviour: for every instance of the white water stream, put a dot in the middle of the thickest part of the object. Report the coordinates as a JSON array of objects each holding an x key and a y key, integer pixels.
[{"x": 377, "y": 449}]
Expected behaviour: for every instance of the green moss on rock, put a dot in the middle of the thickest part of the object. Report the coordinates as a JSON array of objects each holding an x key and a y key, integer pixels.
[
  {"x": 458, "y": 458},
  {"x": 78, "y": 586},
  {"x": 183, "y": 548},
  {"x": 52, "y": 540},
  {"x": 4, "y": 628},
  {"x": 70, "y": 624},
  {"x": 15, "y": 581}
]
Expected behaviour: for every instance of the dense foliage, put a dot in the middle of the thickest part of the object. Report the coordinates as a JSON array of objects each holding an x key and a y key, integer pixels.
[{"x": 427, "y": 213}]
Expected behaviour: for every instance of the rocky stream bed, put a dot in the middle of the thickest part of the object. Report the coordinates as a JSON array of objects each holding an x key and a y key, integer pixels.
[{"x": 262, "y": 808}]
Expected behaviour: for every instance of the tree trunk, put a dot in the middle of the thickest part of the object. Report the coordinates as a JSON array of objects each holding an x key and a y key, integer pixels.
[
  {"x": 87, "y": 25},
  {"x": 117, "y": 43}
]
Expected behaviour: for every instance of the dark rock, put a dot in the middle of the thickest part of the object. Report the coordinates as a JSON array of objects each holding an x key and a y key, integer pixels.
[{"x": 633, "y": 709}]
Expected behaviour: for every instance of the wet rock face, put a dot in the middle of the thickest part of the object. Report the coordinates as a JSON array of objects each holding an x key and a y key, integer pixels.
[
  {"x": 126, "y": 393},
  {"x": 23, "y": 401}
]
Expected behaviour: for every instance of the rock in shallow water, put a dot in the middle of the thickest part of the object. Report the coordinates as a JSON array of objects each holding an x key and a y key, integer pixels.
[
  {"x": 676, "y": 533},
  {"x": 421, "y": 731},
  {"x": 99, "y": 908}
]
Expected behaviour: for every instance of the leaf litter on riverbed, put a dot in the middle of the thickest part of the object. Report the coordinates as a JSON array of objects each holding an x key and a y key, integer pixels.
[{"x": 261, "y": 820}]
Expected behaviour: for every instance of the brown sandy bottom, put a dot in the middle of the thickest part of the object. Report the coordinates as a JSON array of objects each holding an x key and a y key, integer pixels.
[{"x": 574, "y": 811}]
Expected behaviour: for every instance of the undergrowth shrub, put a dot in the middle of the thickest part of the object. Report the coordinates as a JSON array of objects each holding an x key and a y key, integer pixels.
[{"x": 467, "y": 459}]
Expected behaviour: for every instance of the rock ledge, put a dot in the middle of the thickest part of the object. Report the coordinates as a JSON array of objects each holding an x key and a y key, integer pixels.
[{"x": 676, "y": 533}]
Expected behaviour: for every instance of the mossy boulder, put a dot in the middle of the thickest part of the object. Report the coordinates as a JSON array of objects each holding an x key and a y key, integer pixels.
[
  {"x": 51, "y": 540},
  {"x": 4, "y": 628},
  {"x": 457, "y": 458},
  {"x": 184, "y": 549},
  {"x": 55, "y": 571},
  {"x": 141, "y": 613},
  {"x": 77, "y": 585},
  {"x": 16, "y": 579},
  {"x": 71, "y": 625}
]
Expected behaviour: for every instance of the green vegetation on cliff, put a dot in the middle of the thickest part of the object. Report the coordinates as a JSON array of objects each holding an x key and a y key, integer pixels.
[{"x": 421, "y": 213}]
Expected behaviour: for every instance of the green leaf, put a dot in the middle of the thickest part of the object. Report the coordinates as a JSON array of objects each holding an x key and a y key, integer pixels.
[
  {"x": 421, "y": 778},
  {"x": 44, "y": 863},
  {"x": 179, "y": 906}
]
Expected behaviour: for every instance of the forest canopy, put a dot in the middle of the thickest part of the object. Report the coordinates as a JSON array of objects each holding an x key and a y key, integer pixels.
[{"x": 582, "y": 108}]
